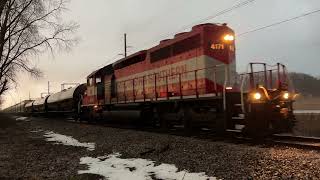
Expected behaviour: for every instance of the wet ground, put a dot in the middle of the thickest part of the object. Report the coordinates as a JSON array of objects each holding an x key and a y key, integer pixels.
[{"x": 24, "y": 153}]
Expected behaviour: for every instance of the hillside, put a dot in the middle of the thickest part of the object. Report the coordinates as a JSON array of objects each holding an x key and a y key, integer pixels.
[{"x": 306, "y": 84}]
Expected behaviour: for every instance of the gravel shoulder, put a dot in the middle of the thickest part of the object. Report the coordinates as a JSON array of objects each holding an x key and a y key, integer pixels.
[{"x": 26, "y": 155}]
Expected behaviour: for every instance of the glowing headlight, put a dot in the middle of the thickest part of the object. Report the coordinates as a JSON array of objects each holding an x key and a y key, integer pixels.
[
  {"x": 286, "y": 95},
  {"x": 228, "y": 37},
  {"x": 95, "y": 106},
  {"x": 257, "y": 96}
]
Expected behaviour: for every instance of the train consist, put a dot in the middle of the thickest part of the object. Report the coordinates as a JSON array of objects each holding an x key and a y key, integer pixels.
[{"x": 190, "y": 80}]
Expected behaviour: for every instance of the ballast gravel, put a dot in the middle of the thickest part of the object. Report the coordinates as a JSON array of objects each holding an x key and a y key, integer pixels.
[{"x": 24, "y": 153}]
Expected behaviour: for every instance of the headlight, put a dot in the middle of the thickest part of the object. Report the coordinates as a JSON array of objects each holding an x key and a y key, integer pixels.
[
  {"x": 285, "y": 95},
  {"x": 257, "y": 96},
  {"x": 228, "y": 37}
]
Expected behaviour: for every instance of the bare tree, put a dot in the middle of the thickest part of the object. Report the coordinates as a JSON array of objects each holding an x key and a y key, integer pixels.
[{"x": 27, "y": 29}]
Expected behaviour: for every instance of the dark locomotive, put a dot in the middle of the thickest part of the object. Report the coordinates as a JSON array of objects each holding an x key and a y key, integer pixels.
[{"x": 190, "y": 80}]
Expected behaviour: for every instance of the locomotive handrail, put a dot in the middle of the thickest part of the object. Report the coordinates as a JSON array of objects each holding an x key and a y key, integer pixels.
[
  {"x": 166, "y": 77},
  {"x": 243, "y": 74},
  {"x": 174, "y": 73},
  {"x": 282, "y": 75}
]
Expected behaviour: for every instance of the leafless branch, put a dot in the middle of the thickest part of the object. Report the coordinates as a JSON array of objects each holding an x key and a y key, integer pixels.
[{"x": 27, "y": 29}]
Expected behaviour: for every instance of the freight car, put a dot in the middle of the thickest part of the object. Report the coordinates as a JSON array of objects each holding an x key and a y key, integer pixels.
[
  {"x": 191, "y": 80},
  {"x": 19, "y": 108},
  {"x": 65, "y": 102}
]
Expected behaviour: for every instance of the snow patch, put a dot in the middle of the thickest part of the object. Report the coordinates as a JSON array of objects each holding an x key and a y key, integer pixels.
[
  {"x": 114, "y": 168},
  {"x": 22, "y": 119},
  {"x": 36, "y": 131},
  {"x": 67, "y": 140}
]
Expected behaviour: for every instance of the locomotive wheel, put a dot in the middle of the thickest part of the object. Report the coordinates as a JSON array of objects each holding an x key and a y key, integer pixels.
[
  {"x": 146, "y": 118},
  {"x": 187, "y": 120},
  {"x": 155, "y": 118},
  {"x": 283, "y": 125},
  {"x": 163, "y": 123},
  {"x": 91, "y": 118},
  {"x": 258, "y": 121},
  {"x": 220, "y": 123}
]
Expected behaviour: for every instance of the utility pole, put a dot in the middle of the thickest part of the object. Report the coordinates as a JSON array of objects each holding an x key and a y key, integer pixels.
[
  {"x": 48, "y": 87},
  {"x": 125, "y": 45},
  {"x": 29, "y": 96}
]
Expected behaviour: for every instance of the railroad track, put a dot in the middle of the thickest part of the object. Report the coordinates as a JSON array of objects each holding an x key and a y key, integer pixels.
[
  {"x": 301, "y": 142},
  {"x": 233, "y": 136},
  {"x": 296, "y": 141}
]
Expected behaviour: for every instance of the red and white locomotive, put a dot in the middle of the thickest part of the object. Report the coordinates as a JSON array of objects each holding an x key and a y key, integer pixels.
[{"x": 192, "y": 80}]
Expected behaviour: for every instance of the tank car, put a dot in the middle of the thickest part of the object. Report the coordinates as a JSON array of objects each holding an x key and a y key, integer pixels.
[
  {"x": 18, "y": 109},
  {"x": 66, "y": 101},
  {"x": 29, "y": 107},
  {"x": 39, "y": 106}
]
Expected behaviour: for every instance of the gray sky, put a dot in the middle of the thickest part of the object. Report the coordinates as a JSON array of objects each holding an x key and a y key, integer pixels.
[{"x": 103, "y": 22}]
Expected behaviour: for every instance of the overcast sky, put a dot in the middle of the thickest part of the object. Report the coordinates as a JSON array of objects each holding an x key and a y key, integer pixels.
[{"x": 103, "y": 22}]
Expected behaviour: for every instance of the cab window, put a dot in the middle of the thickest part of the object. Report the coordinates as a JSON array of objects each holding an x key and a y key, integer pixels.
[
  {"x": 90, "y": 82},
  {"x": 98, "y": 80}
]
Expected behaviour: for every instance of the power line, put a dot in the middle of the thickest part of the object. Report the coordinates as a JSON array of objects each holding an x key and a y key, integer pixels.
[
  {"x": 278, "y": 23},
  {"x": 238, "y": 5},
  {"x": 113, "y": 58}
]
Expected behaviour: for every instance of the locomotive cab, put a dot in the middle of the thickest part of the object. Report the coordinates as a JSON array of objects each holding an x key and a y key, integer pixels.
[{"x": 97, "y": 93}]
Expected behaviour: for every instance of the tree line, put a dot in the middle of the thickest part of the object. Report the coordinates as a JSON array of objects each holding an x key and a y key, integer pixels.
[{"x": 305, "y": 84}]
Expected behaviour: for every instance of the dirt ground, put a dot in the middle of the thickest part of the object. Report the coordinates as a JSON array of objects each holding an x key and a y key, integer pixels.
[{"x": 26, "y": 155}]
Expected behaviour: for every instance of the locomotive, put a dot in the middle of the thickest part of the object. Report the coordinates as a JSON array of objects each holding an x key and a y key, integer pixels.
[{"x": 190, "y": 80}]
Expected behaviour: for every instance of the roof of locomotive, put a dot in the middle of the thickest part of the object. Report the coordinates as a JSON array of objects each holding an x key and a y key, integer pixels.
[
  {"x": 108, "y": 69},
  {"x": 178, "y": 37},
  {"x": 184, "y": 35},
  {"x": 118, "y": 63}
]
